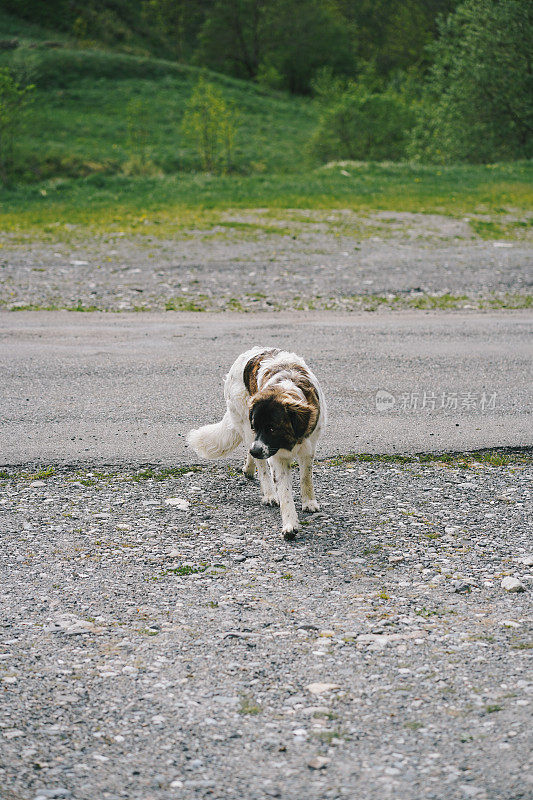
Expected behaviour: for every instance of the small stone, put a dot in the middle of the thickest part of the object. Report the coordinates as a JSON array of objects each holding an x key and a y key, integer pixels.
[
  {"x": 527, "y": 561},
  {"x": 395, "y": 559},
  {"x": 461, "y": 587},
  {"x": 512, "y": 585},
  {"x": 240, "y": 559},
  {"x": 178, "y": 502},
  {"x": 52, "y": 794},
  {"x": 318, "y": 762},
  {"x": 322, "y": 688}
]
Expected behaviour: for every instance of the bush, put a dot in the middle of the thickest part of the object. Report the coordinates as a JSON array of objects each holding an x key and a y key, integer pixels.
[
  {"x": 210, "y": 122},
  {"x": 361, "y": 126},
  {"x": 478, "y": 101},
  {"x": 14, "y": 100}
]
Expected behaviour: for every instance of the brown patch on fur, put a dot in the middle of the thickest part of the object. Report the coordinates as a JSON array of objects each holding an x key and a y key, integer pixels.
[
  {"x": 307, "y": 413},
  {"x": 252, "y": 368}
]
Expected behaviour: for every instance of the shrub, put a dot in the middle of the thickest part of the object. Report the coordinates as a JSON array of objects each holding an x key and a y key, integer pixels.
[
  {"x": 210, "y": 122},
  {"x": 359, "y": 125}
]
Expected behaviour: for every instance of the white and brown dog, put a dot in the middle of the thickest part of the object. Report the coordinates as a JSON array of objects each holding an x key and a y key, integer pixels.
[{"x": 276, "y": 407}]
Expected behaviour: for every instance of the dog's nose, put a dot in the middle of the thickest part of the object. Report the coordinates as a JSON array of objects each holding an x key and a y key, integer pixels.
[{"x": 256, "y": 450}]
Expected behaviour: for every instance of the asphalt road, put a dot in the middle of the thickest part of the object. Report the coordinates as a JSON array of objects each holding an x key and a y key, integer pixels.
[{"x": 125, "y": 388}]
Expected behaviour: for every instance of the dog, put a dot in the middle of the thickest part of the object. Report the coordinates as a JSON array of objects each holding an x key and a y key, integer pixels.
[{"x": 276, "y": 406}]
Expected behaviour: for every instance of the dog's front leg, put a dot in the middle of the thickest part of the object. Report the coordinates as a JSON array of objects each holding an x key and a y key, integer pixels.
[
  {"x": 309, "y": 502},
  {"x": 281, "y": 472}
]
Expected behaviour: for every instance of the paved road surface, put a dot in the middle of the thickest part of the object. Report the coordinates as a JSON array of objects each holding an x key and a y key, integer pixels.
[{"x": 125, "y": 388}]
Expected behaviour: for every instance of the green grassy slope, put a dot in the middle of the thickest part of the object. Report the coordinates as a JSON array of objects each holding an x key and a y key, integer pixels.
[
  {"x": 81, "y": 116},
  {"x": 77, "y": 152}
]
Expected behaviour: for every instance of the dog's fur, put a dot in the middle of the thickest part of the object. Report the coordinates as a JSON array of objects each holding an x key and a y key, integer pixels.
[{"x": 276, "y": 407}]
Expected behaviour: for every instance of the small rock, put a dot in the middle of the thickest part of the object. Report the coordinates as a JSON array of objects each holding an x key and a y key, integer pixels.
[
  {"x": 318, "y": 762},
  {"x": 461, "y": 587},
  {"x": 322, "y": 688},
  {"x": 395, "y": 559},
  {"x": 51, "y": 794},
  {"x": 512, "y": 585},
  {"x": 527, "y": 561},
  {"x": 240, "y": 559},
  {"x": 178, "y": 502}
]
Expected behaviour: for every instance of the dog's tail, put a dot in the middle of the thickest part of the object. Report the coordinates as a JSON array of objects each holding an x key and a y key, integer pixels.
[{"x": 215, "y": 441}]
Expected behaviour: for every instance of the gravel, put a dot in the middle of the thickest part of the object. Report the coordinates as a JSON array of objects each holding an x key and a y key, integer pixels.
[
  {"x": 163, "y": 650},
  {"x": 321, "y": 263}
]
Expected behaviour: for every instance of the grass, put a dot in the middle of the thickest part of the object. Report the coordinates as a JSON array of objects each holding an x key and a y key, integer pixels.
[
  {"x": 87, "y": 160},
  {"x": 165, "y": 206},
  {"x": 504, "y": 457},
  {"x": 248, "y": 706},
  {"x": 491, "y": 458},
  {"x": 249, "y": 303},
  {"x": 105, "y": 113}
]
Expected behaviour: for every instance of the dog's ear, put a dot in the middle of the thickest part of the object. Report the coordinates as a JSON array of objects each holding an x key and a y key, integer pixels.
[{"x": 299, "y": 414}]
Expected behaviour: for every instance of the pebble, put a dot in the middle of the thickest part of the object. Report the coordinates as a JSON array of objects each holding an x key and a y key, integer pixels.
[
  {"x": 322, "y": 688},
  {"x": 512, "y": 585},
  {"x": 178, "y": 502},
  {"x": 527, "y": 561},
  {"x": 318, "y": 762},
  {"x": 396, "y": 559},
  {"x": 461, "y": 587}
]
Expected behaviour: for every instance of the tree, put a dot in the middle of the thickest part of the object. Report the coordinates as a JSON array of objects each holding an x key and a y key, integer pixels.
[
  {"x": 478, "y": 103},
  {"x": 210, "y": 122},
  {"x": 231, "y": 37},
  {"x": 282, "y": 41},
  {"x": 14, "y": 99}
]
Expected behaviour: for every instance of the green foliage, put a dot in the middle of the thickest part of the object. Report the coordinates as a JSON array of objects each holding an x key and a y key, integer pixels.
[
  {"x": 279, "y": 42},
  {"x": 14, "y": 101},
  {"x": 391, "y": 36},
  {"x": 88, "y": 103},
  {"x": 210, "y": 122},
  {"x": 478, "y": 104},
  {"x": 360, "y": 125}
]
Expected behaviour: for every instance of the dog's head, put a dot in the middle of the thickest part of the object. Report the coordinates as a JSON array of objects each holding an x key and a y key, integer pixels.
[{"x": 278, "y": 421}]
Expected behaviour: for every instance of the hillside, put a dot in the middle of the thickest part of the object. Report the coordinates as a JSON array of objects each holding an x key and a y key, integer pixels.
[{"x": 95, "y": 110}]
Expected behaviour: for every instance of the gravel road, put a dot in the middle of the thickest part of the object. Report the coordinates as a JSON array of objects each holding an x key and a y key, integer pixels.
[
  {"x": 158, "y": 637},
  {"x": 331, "y": 261},
  {"x": 152, "y": 652}
]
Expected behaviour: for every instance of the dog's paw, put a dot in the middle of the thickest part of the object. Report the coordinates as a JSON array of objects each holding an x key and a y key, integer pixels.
[
  {"x": 289, "y": 531},
  {"x": 310, "y": 505},
  {"x": 248, "y": 472},
  {"x": 269, "y": 500}
]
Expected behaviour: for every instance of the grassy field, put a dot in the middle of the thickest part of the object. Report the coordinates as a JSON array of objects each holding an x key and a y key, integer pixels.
[
  {"x": 162, "y": 206},
  {"x": 80, "y": 160}
]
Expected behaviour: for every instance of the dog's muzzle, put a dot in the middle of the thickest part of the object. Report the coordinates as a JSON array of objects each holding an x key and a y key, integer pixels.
[{"x": 261, "y": 450}]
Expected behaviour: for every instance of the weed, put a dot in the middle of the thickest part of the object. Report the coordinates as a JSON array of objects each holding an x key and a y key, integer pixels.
[{"x": 248, "y": 706}]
